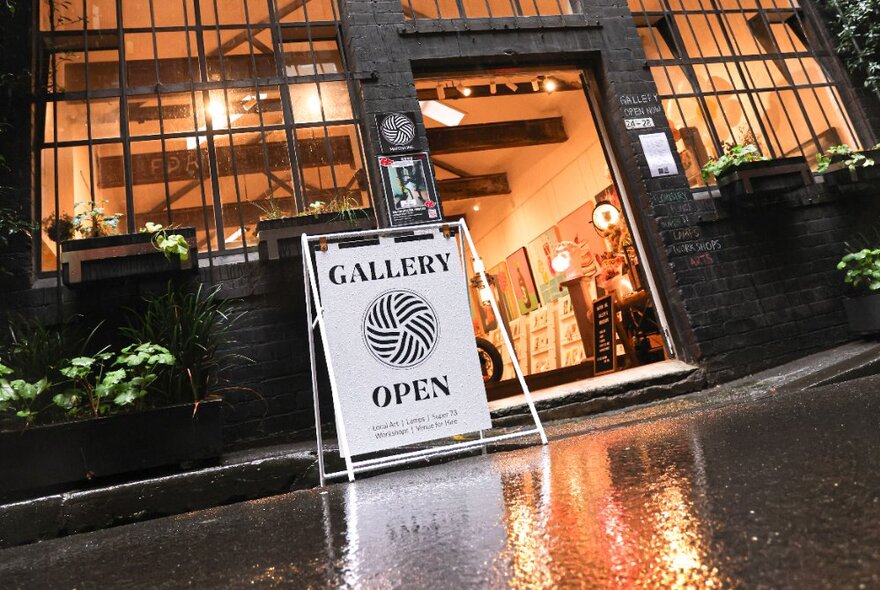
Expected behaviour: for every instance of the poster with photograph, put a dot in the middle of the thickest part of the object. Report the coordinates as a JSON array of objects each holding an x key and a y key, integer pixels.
[
  {"x": 504, "y": 290},
  {"x": 409, "y": 188},
  {"x": 523, "y": 284},
  {"x": 541, "y": 252}
]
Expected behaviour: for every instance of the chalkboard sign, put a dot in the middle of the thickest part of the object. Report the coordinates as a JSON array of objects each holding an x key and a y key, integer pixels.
[{"x": 603, "y": 335}]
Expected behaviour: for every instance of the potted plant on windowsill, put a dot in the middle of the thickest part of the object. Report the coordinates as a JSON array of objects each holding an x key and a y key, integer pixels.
[
  {"x": 863, "y": 274},
  {"x": 279, "y": 232},
  {"x": 69, "y": 414},
  {"x": 92, "y": 250},
  {"x": 850, "y": 171},
  {"x": 749, "y": 179}
]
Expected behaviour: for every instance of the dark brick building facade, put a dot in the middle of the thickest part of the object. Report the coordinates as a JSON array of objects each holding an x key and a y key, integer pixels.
[{"x": 743, "y": 289}]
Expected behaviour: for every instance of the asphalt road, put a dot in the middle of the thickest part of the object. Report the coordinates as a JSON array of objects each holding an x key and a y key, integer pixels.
[{"x": 769, "y": 491}]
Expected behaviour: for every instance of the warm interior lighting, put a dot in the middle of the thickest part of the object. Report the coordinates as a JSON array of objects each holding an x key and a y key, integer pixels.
[
  {"x": 314, "y": 104},
  {"x": 441, "y": 113},
  {"x": 234, "y": 237},
  {"x": 604, "y": 216},
  {"x": 550, "y": 84},
  {"x": 477, "y": 207},
  {"x": 566, "y": 260},
  {"x": 465, "y": 90}
]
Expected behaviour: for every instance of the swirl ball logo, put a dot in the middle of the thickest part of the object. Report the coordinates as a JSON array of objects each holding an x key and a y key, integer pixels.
[
  {"x": 397, "y": 129},
  {"x": 400, "y": 329}
]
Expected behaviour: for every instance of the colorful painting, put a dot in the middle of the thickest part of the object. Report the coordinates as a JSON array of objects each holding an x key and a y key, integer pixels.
[
  {"x": 578, "y": 227},
  {"x": 541, "y": 252},
  {"x": 504, "y": 290},
  {"x": 524, "y": 289},
  {"x": 486, "y": 314}
]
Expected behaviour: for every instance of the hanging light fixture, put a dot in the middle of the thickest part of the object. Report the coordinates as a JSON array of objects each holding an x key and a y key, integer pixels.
[{"x": 605, "y": 216}]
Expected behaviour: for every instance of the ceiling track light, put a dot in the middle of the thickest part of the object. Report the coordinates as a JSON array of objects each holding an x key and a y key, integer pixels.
[
  {"x": 511, "y": 86},
  {"x": 536, "y": 85},
  {"x": 441, "y": 92},
  {"x": 464, "y": 90},
  {"x": 493, "y": 87},
  {"x": 549, "y": 84}
]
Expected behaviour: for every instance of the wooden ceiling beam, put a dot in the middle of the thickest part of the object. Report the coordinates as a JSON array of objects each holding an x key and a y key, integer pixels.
[
  {"x": 489, "y": 185},
  {"x": 495, "y": 136}
]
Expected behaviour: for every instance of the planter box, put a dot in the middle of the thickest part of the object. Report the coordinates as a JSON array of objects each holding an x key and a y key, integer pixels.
[
  {"x": 863, "y": 313},
  {"x": 861, "y": 181},
  {"x": 51, "y": 456},
  {"x": 280, "y": 238},
  {"x": 764, "y": 182},
  {"x": 118, "y": 257}
]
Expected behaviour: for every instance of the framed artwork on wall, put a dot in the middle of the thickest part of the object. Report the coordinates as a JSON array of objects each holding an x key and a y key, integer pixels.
[
  {"x": 577, "y": 227},
  {"x": 524, "y": 289},
  {"x": 504, "y": 290},
  {"x": 541, "y": 252}
]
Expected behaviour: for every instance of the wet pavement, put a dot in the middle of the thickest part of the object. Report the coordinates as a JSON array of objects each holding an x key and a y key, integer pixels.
[{"x": 765, "y": 490}]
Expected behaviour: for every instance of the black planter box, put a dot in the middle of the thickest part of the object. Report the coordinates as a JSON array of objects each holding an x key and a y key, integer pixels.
[
  {"x": 48, "y": 457},
  {"x": 118, "y": 257},
  {"x": 764, "y": 182},
  {"x": 280, "y": 238},
  {"x": 863, "y": 313},
  {"x": 860, "y": 181}
]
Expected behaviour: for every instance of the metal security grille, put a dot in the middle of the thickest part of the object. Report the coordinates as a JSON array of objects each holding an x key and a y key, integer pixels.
[
  {"x": 741, "y": 71},
  {"x": 443, "y": 9},
  {"x": 205, "y": 113}
]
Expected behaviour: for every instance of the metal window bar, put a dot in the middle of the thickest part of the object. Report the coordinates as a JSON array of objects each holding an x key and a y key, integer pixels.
[
  {"x": 91, "y": 147},
  {"x": 162, "y": 139}
]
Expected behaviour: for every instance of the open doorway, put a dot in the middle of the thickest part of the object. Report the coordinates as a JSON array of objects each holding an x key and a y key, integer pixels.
[{"x": 519, "y": 156}]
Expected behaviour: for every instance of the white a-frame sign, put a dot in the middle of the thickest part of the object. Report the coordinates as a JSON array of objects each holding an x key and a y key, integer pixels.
[{"x": 392, "y": 309}]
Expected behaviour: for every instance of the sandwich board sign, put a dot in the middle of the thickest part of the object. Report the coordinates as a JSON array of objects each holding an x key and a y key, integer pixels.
[{"x": 398, "y": 339}]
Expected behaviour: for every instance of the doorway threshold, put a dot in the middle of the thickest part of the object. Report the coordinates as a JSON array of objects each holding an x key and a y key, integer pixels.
[{"x": 636, "y": 385}]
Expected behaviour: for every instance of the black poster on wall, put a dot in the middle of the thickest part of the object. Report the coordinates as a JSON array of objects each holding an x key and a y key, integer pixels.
[
  {"x": 410, "y": 193},
  {"x": 397, "y": 133},
  {"x": 603, "y": 335}
]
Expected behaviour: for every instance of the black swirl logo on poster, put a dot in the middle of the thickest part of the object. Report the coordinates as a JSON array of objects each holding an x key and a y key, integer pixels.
[{"x": 400, "y": 329}]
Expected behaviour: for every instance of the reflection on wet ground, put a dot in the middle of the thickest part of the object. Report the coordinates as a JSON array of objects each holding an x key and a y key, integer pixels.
[{"x": 781, "y": 492}]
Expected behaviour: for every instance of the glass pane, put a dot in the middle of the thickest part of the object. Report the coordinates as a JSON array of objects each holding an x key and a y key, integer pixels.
[
  {"x": 331, "y": 166},
  {"x": 71, "y": 71},
  {"x": 67, "y": 15},
  {"x": 239, "y": 55},
  {"x": 653, "y": 43},
  {"x": 671, "y": 79},
  {"x": 176, "y": 114},
  {"x": 72, "y": 119},
  {"x": 74, "y": 180},
  {"x": 327, "y": 101},
  {"x": 235, "y": 12},
  {"x": 166, "y": 13},
  {"x": 297, "y": 11},
  {"x": 173, "y": 65},
  {"x": 702, "y": 35},
  {"x": 692, "y": 138},
  {"x": 300, "y": 60}
]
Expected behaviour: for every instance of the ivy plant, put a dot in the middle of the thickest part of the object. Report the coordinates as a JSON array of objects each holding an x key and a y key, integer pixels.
[
  {"x": 734, "y": 155},
  {"x": 862, "y": 268},
  {"x": 852, "y": 159},
  {"x": 19, "y": 395},
  {"x": 97, "y": 387},
  {"x": 856, "y": 31},
  {"x": 169, "y": 244}
]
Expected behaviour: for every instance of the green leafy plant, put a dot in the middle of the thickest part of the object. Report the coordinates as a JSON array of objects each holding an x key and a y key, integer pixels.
[
  {"x": 93, "y": 220},
  {"x": 192, "y": 326},
  {"x": 20, "y": 396},
  {"x": 170, "y": 244},
  {"x": 97, "y": 388},
  {"x": 734, "y": 155},
  {"x": 271, "y": 209},
  {"x": 11, "y": 224},
  {"x": 862, "y": 268},
  {"x": 35, "y": 349},
  {"x": 856, "y": 31},
  {"x": 852, "y": 159}
]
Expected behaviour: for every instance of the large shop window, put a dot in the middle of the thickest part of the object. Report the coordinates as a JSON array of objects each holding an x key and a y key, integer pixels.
[
  {"x": 194, "y": 113},
  {"x": 741, "y": 71},
  {"x": 519, "y": 156}
]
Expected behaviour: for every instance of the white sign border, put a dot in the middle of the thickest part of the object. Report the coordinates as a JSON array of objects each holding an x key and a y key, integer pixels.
[{"x": 316, "y": 318}]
